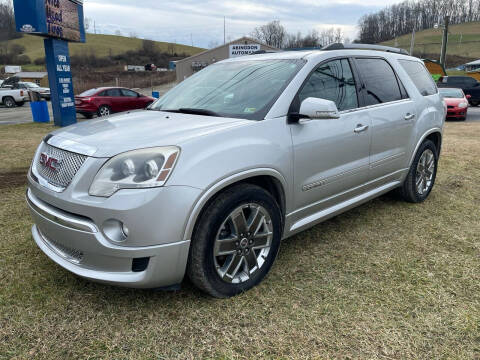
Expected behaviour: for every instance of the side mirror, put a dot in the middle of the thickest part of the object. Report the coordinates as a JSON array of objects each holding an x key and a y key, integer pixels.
[
  {"x": 315, "y": 108},
  {"x": 468, "y": 96}
]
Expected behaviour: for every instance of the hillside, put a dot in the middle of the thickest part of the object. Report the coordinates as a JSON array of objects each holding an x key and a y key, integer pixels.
[
  {"x": 101, "y": 46},
  {"x": 463, "y": 40}
]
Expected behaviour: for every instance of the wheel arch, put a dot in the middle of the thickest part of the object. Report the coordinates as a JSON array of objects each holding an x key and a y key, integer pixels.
[
  {"x": 435, "y": 135},
  {"x": 268, "y": 179}
]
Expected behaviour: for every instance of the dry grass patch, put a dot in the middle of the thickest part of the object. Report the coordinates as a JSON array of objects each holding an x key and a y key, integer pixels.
[{"x": 386, "y": 280}]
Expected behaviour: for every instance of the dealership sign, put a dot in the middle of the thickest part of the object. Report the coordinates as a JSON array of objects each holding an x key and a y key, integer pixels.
[
  {"x": 61, "y": 19},
  {"x": 243, "y": 49}
]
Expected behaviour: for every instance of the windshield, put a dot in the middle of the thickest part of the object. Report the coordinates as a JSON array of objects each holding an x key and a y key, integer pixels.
[
  {"x": 89, "y": 92},
  {"x": 31, "y": 85},
  {"x": 241, "y": 89},
  {"x": 451, "y": 93}
]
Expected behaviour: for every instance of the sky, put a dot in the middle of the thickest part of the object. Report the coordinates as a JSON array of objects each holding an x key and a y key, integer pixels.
[{"x": 200, "y": 22}]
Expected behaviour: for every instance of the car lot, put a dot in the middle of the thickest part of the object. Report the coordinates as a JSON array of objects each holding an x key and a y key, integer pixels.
[{"x": 23, "y": 114}]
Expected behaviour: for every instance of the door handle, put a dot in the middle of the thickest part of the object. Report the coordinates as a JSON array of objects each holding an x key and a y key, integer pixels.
[
  {"x": 360, "y": 128},
  {"x": 409, "y": 117}
]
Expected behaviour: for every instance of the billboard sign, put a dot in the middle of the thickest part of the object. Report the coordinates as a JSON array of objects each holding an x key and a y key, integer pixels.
[
  {"x": 61, "y": 19},
  {"x": 237, "y": 50}
]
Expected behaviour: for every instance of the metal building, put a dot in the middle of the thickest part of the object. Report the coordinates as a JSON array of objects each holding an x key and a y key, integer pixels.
[{"x": 240, "y": 47}]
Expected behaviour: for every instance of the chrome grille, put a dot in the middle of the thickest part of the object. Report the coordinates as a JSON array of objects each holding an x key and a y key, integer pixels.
[
  {"x": 69, "y": 254},
  {"x": 67, "y": 165}
]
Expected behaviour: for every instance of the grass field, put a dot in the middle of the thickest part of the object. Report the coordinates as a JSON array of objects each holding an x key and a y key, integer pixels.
[
  {"x": 388, "y": 280},
  {"x": 100, "y": 45},
  {"x": 463, "y": 40}
]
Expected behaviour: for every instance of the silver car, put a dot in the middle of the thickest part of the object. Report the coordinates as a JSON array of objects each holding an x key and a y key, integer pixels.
[{"x": 211, "y": 177}]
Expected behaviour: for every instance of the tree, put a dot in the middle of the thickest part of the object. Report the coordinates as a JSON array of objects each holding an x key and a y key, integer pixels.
[
  {"x": 118, "y": 33},
  {"x": 273, "y": 34},
  {"x": 148, "y": 46},
  {"x": 7, "y": 22},
  {"x": 87, "y": 23}
]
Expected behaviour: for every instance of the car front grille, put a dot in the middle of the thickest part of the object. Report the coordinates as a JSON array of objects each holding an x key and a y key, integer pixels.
[{"x": 57, "y": 166}]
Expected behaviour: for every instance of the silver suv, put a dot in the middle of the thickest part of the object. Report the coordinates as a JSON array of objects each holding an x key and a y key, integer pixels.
[{"x": 249, "y": 151}]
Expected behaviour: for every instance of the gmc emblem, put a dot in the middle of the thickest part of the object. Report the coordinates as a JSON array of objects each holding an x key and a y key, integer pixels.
[{"x": 50, "y": 162}]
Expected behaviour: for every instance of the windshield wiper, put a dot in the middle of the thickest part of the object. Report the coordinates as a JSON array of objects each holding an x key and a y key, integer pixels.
[{"x": 196, "y": 111}]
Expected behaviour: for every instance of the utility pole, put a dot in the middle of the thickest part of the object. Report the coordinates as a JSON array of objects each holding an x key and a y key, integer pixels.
[
  {"x": 191, "y": 38},
  {"x": 443, "y": 55},
  {"x": 224, "y": 30},
  {"x": 412, "y": 42}
]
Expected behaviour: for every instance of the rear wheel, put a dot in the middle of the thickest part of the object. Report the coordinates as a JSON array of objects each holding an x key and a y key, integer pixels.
[
  {"x": 104, "y": 110},
  {"x": 422, "y": 173},
  {"x": 235, "y": 242},
  {"x": 9, "y": 102}
]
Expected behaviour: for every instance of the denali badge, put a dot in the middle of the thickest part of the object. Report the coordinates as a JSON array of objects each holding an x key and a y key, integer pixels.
[{"x": 50, "y": 162}]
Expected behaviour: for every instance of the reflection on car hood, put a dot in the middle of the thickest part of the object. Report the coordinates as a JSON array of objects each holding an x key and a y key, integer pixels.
[{"x": 115, "y": 134}]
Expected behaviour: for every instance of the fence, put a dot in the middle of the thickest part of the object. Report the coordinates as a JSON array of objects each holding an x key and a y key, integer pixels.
[{"x": 142, "y": 80}]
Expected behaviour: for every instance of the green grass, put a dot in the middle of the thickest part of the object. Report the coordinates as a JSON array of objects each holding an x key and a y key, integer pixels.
[
  {"x": 100, "y": 45},
  {"x": 387, "y": 280},
  {"x": 463, "y": 40}
]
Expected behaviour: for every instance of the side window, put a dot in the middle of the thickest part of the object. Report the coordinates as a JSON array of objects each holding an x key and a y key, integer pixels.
[
  {"x": 332, "y": 81},
  {"x": 380, "y": 81},
  {"x": 420, "y": 77},
  {"x": 129, "y": 93},
  {"x": 103, "y": 93},
  {"x": 113, "y": 92}
]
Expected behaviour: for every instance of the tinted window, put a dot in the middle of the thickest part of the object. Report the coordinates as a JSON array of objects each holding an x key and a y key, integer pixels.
[
  {"x": 380, "y": 81},
  {"x": 113, "y": 92},
  {"x": 420, "y": 77},
  {"x": 332, "y": 81},
  {"x": 129, "y": 93}
]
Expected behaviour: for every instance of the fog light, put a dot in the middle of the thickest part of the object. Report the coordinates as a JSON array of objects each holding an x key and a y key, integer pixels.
[
  {"x": 125, "y": 230},
  {"x": 115, "y": 230}
]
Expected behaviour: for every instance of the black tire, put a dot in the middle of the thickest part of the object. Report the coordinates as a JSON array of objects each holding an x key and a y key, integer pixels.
[
  {"x": 408, "y": 190},
  {"x": 9, "y": 101},
  {"x": 88, "y": 116},
  {"x": 20, "y": 103},
  {"x": 104, "y": 110},
  {"x": 201, "y": 263}
]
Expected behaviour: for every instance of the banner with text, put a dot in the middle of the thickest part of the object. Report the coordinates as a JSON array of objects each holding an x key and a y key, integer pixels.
[{"x": 237, "y": 50}]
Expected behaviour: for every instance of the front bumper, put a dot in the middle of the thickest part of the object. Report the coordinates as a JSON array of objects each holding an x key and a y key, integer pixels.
[
  {"x": 78, "y": 244},
  {"x": 456, "y": 113}
]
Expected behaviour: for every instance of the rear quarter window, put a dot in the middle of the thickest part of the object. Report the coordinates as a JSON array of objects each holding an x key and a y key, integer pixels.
[{"x": 420, "y": 77}]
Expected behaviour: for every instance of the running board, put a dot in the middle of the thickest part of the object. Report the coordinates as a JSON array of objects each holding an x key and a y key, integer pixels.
[{"x": 341, "y": 207}]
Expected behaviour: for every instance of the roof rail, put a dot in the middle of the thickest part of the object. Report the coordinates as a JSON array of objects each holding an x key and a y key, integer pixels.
[{"x": 340, "y": 46}]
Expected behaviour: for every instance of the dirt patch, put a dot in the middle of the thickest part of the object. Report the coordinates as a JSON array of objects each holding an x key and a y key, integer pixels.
[{"x": 14, "y": 178}]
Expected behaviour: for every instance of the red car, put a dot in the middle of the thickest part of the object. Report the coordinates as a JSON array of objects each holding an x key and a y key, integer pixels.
[
  {"x": 107, "y": 100},
  {"x": 457, "y": 103}
]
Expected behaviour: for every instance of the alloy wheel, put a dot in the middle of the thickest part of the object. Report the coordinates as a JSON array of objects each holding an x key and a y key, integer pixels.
[
  {"x": 104, "y": 111},
  {"x": 243, "y": 243},
  {"x": 425, "y": 172}
]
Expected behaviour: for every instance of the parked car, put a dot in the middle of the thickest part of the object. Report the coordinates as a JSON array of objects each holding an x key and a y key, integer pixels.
[
  {"x": 246, "y": 152},
  {"x": 107, "y": 100},
  {"x": 469, "y": 86},
  {"x": 43, "y": 92},
  {"x": 457, "y": 103},
  {"x": 13, "y": 97}
]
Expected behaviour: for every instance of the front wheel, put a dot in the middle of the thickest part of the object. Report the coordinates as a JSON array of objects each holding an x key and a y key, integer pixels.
[
  {"x": 235, "y": 242},
  {"x": 422, "y": 174}
]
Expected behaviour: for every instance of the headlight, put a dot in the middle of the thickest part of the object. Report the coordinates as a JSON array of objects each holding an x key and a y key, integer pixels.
[
  {"x": 138, "y": 169},
  {"x": 463, "y": 105}
]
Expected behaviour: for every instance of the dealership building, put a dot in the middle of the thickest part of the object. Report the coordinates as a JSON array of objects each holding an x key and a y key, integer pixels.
[{"x": 240, "y": 47}]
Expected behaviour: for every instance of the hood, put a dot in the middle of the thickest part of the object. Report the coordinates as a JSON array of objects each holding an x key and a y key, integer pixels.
[
  {"x": 454, "y": 101},
  {"x": 106, "y": 137}
]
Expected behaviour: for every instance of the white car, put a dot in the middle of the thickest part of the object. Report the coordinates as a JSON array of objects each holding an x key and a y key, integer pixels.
[{"x": 13, "y": 97}]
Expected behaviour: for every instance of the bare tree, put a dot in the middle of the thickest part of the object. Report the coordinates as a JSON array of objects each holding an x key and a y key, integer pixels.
[
  {"x": 273, "y": 34},
  {"x": 118, "y": 33},
  {"x": 7, "y": 22},
  {"x": 87, "y": 22}
]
